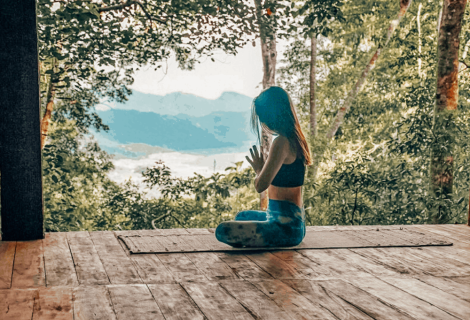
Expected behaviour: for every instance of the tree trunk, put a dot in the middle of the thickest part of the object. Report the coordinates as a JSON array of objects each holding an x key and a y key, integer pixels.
[
  {"x": 446, "y": 106},
  {"x": 269, "y": 55},
  {"x": 338, "y": 120},
  {"x": 404, "y": 5},
  {"x": 313, "y": 107},
  {"x": 468, "y": 221},
  {"x": 313, "y": 61},
  {"x": 49, "y": 107}
]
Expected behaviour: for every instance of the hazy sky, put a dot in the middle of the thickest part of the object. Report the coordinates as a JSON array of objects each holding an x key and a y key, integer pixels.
[{"x": 241, "y": 73}]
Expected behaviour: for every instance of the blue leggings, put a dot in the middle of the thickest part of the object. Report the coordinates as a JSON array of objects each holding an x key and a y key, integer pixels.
[{"x": 281, "y": 225}]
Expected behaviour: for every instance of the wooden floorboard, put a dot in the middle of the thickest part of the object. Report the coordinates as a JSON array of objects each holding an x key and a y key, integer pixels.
[
  {"x": 175, "y": 303},
  {"x": 7, "y": 256},
  {"x": 93, "y": 275},
  {"x": 28, "y": 268},
  {"x": 214, "y": 301},
  {"x": 117, "y": 264},
  {"x": 88, "y": 266},
  {"x": 54, "y": 303},
  {"x": 92, "y": 303},
  {"x": 58, "y": 261},
  {"x": 134, "y": 302}
]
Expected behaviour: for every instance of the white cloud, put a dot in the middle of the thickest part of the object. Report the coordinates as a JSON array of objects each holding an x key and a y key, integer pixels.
[{"x": 241, "y": 73}]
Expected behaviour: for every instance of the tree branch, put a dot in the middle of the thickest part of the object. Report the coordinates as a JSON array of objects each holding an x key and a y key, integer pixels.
[{"x": 128, "y": 4}]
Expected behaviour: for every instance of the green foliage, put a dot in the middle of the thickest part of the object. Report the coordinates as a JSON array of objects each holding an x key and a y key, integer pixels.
[{"x": 375, "y": 171}]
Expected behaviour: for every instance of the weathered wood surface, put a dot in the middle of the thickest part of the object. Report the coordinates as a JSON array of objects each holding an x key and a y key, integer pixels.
[
  {"x": 134, "y": 302},
  {"x": 258, "y": 303},
  {"x": 180, "y": 241},
  {"x": 175, "y": 302},
  {"x": 17, "y": 304},
  {"x": 357, "y": 283},
  {"x": 28, "y": 269},
  {"x": 54, "y": 303},
  {"x": 215, "y": 302},
  {"x": 7, "y": 256},
  {"x": 88, "y": 266},
  {"x": 58, "y": 261},
  {"x": 92, "y": 303},
  {"x": 118, "y": 265}
]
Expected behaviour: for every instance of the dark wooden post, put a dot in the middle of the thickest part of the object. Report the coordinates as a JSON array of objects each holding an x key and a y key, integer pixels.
[{"x": 20, "y": 145}]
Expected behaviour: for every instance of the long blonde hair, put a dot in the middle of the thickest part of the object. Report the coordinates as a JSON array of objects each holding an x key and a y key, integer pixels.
[{"x": 274, "y": 110}]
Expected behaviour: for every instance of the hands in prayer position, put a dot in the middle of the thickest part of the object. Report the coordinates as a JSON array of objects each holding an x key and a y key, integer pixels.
[{"x": 257, "y": 162}]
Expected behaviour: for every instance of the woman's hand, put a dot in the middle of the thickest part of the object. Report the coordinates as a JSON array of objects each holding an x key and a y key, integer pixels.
[{"x": 258, "y": 162}]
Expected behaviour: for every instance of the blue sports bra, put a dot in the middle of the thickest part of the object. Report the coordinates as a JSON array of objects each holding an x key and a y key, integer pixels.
[{"x": 290, "y": 175}]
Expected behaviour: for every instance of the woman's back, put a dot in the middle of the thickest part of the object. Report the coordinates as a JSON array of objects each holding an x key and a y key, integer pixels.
[{"x": 287, "y": 185}]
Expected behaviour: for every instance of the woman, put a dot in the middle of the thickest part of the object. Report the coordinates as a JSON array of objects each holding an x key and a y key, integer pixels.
[{"x": 283, "y": 224}]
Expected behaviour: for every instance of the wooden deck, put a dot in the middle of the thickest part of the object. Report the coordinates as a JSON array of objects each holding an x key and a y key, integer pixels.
[{"x": 81, "y": 275}]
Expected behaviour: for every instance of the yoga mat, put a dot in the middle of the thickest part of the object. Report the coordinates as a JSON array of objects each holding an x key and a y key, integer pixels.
[{"x": 156, "y": 241}]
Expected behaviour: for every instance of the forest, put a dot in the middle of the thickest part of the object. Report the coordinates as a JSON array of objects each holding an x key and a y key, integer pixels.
[{"x": 387, "y": 147}]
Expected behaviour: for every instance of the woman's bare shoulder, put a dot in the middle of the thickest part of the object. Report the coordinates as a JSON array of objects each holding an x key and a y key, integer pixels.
[{"x": 280, "y": 144}]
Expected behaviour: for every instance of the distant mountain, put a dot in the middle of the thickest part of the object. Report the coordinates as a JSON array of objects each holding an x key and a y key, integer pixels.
[
  {"x": 187, "y": 124},
  {"x": 182, "y": 103}
]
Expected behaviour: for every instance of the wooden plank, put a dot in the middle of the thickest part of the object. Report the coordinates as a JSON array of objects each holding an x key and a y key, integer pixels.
[
  {"x": 363, "y": 263},
  {"x": 443, "y": 300},
  {"x": 367, "y": 303},
  {"x": 453, "y": 253},
  {"x": 88, "y": 266},
  {"x": 214, "y": 301},
  {"x": 54, "y": 303},
  {"x": 403, "y": 301},
  {"x": 7, "y": 256},
  {"x": 92, "y": 303},
  {"x": 17, "y": 304},
  {"x": 28, "y": 269},
  {"x": 387, "y": 261},
  {"x": 175, "y": 302},
  {"x": 313, "y": 291},
  {"x": 242, "y": 266},
  {"x": 199, "y": 231},
  {"x": 151, "y": 269},
  {"x": 457, "y": 286},
  {"x": 446, "y": 233},
  {"x": 273, "y": 265},
  {"x": 465, "y": 232},
  {"x": 163, "y": 232},
  {"x": 134, "y": 302},
  {"x": 118, "y": 265},
  {"x": 451, "y": 267},
  {"x": 411, "y": 258},
  {"x": 338, "y": 266},
  {"x": 148, "y": 266},
  {"x": 333, "y": 239},
  {"x": 181, "y": 267},
  {"x": 415, "y": 237},
  {"x": 303, "y": 265},
  {"x": 254, "y": 300},
  {"x": 58, "y": 261},
  {"x": 357, "y": 227},
  {"x": 213, "y": 267},
  {"x": 296, "y": 305},
  {"x": 378, "y": 238},
  {"x": 462, "y": 280}
]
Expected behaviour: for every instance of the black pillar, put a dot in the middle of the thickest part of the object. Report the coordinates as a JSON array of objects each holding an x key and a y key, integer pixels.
[{"x": 20, "y": 146}]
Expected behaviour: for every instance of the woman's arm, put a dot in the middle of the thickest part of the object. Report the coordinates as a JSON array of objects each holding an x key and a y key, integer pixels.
[{"x": 277, "y": 154}]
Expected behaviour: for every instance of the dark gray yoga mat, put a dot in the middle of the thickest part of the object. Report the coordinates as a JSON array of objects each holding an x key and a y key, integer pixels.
[{"x": 185, "y": 240}]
